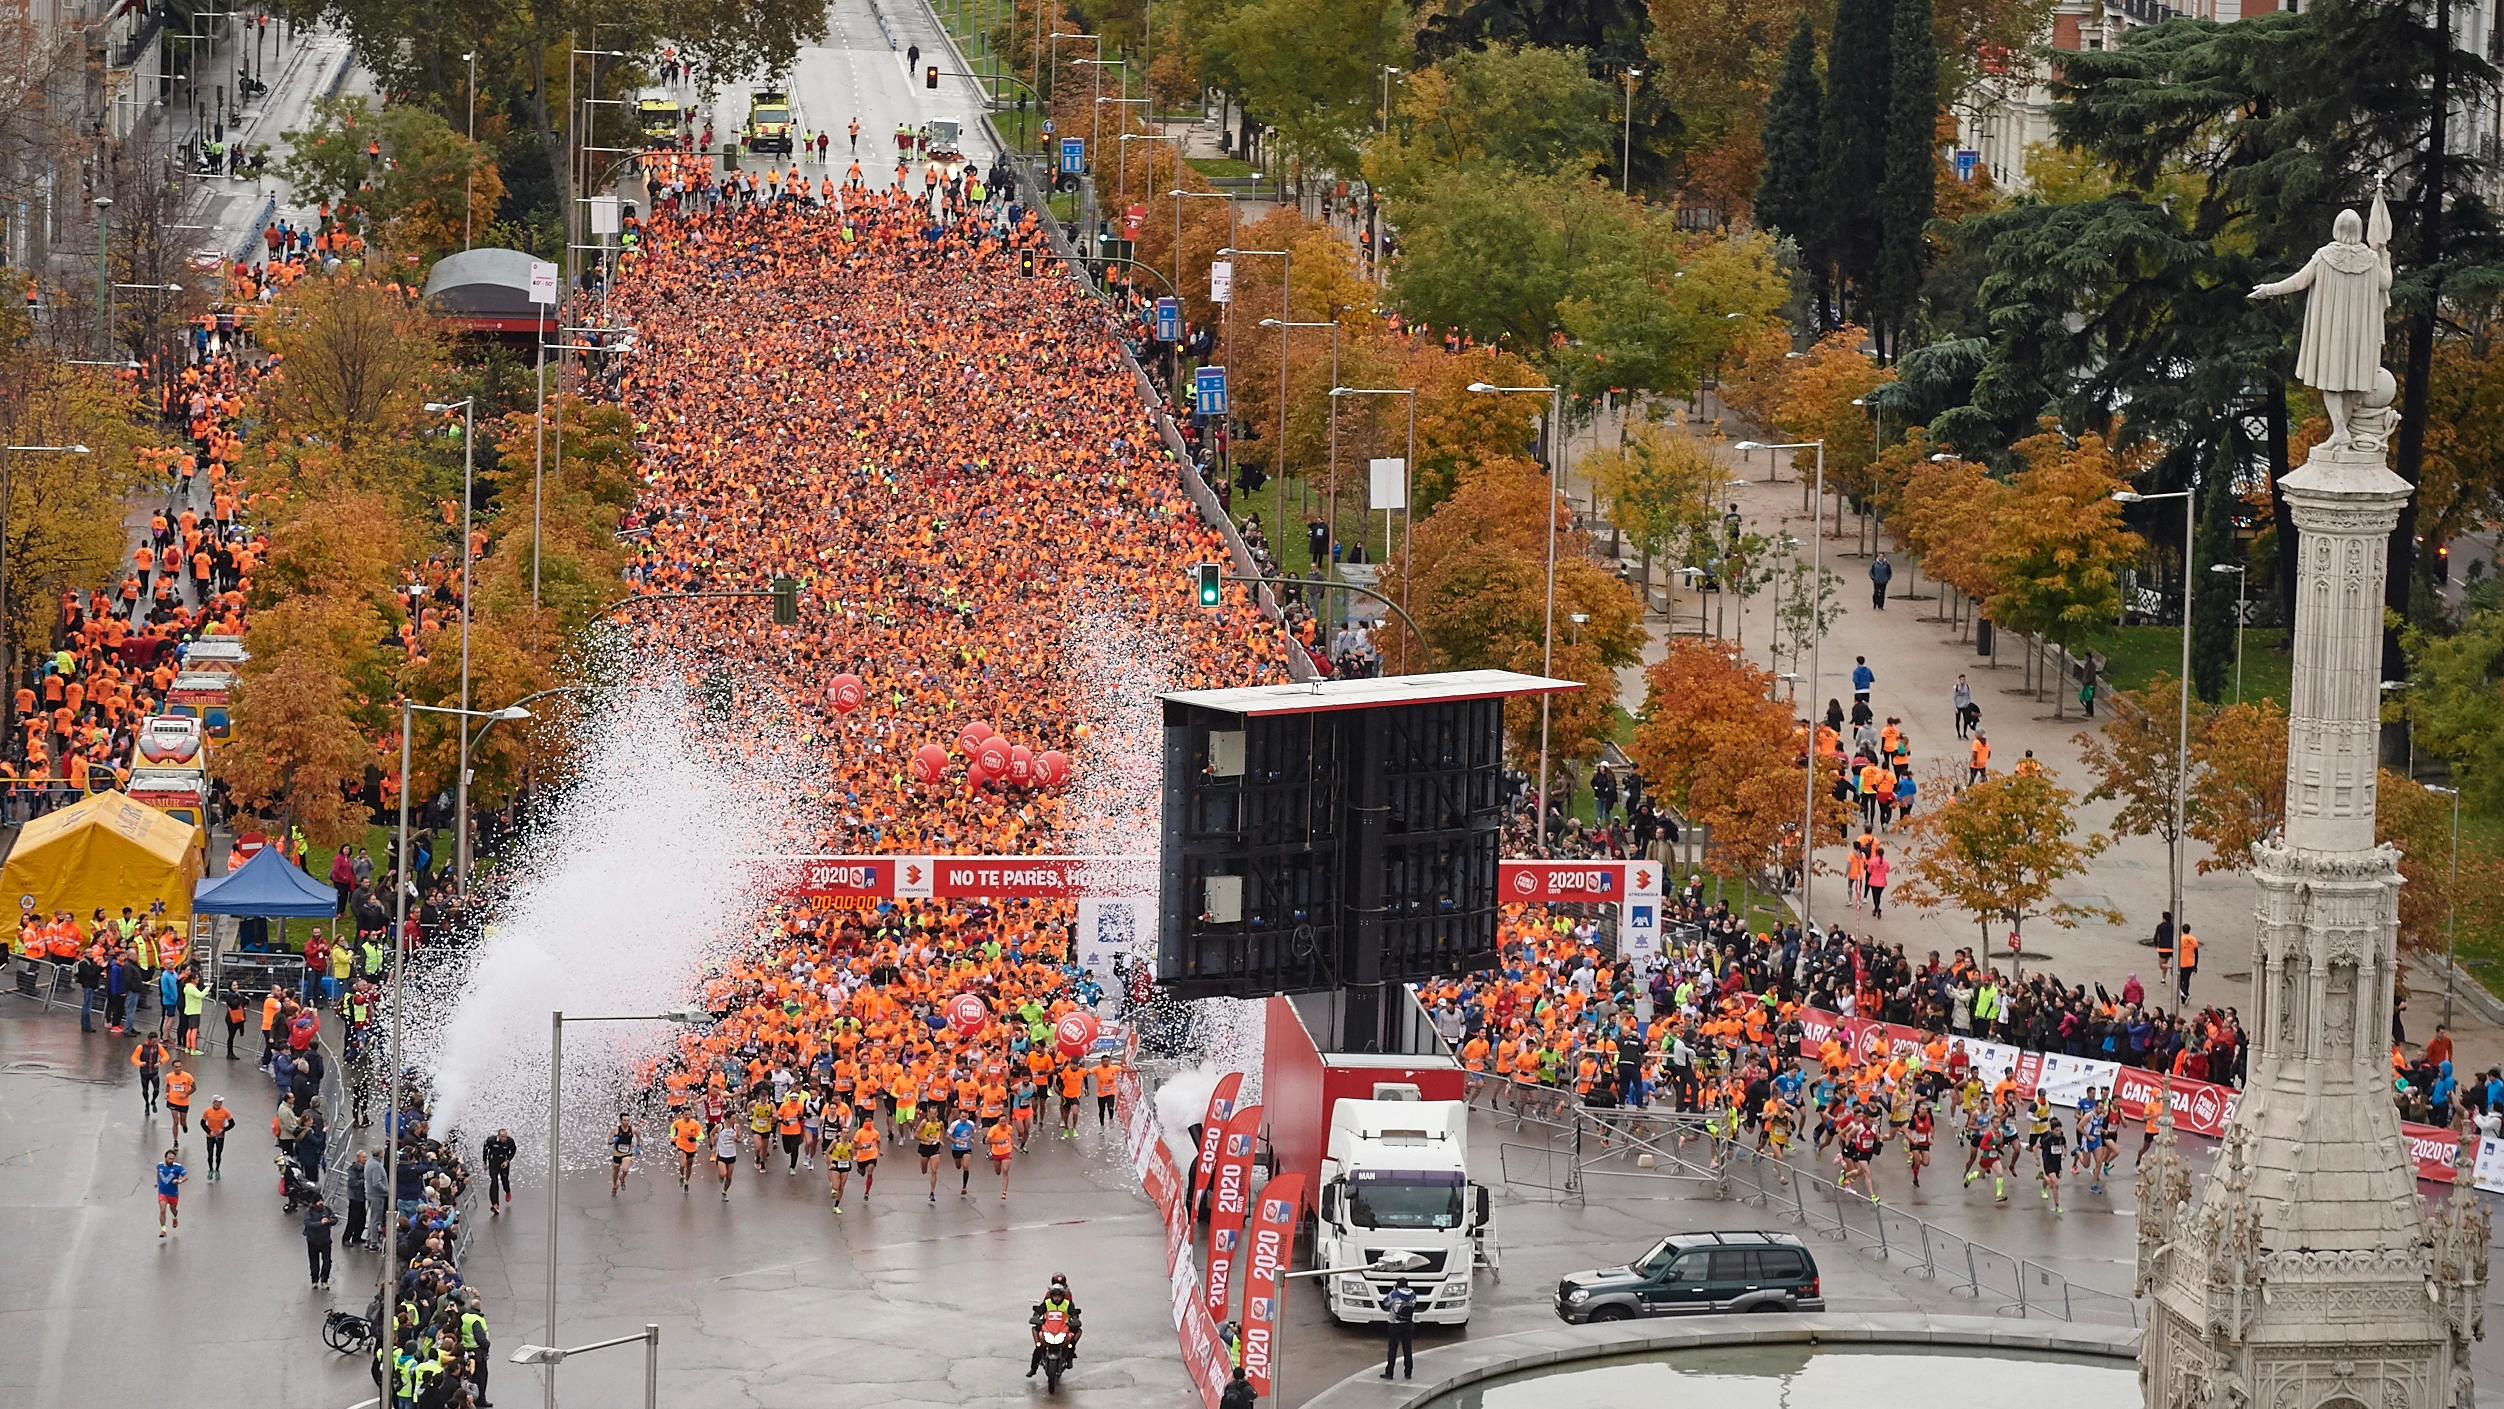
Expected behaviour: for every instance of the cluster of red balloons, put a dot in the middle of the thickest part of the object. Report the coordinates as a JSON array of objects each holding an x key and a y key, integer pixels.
[{"x": 990, "y": 756}]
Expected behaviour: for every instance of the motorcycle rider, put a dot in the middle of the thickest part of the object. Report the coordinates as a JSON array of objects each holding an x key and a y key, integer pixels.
[{"x": 1056, "y": 1300}]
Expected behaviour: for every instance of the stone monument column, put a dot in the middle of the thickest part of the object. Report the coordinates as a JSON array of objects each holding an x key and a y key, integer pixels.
[{"x": 2306, "y": 1273}]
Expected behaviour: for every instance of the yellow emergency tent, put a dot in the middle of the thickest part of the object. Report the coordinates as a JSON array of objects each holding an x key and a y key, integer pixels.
[{"x": 104, "y": 852}]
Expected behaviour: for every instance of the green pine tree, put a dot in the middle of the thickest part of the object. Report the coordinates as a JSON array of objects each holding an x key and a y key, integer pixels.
[
  {"x": 1908, "y": 195},
  {"x": 1786, "y": 198},
  {"x": 1854, "y": 141}
]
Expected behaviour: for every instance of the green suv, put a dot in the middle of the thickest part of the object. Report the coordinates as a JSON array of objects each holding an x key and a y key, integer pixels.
[{"x": 1696, "y": 1273}]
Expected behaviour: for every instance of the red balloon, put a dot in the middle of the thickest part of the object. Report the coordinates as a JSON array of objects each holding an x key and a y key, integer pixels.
[
  {"x": 1051, "y": 768},
  {"x": 1076, "y": 1032},
  {"x": 993, "y": 754},
  {"x": 845, "y": 692},
  {"x": 930, "y": 763},
  {"x": 971, "y": 736},
  {"x": 1022, "y": 766},
  {"x": 967, "y": 1013}
]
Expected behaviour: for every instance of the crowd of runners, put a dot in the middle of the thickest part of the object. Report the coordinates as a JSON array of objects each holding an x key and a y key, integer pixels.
[{"x": 951, "y": 456}]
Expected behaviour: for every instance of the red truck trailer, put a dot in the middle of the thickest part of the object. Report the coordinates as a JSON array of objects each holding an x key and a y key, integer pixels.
[{"x": 1300, "y": 1083}]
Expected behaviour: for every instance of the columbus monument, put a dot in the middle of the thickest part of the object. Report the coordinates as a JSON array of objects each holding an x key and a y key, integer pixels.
[{"x": 2306, "y": 1273}]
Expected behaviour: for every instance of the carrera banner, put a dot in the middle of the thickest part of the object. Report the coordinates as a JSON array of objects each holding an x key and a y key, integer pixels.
[
  {"x": 1221, "y": 1109},
  {"x": 1545, "y": 882},
  {"x": 1272, "y": 1240},
  {"x": 964, "y": 877}
]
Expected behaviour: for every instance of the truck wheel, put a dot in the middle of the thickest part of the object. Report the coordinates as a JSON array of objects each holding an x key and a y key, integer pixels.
[{"x": 1611, "y": 1313}]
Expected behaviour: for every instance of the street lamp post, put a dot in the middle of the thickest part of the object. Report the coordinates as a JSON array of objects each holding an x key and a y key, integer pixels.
[
  {"x": 2182, "y": 722},
  {"x": 551, "y": 1356},
  {"x": 409, "y": 710},
  {"x": 2242, "y": 580},
  {"x": 1278, "y": 458},
  {"x": 460, "y": 787},
  {"x": 1626, "y": 154},
  {"x": 688, "y": 1014},
  {"x": 1176, "y": 139},
  {"x": 1408, "y": 485},
  {"x": 1282, "y": 325},
  {"x": 1547, "y": 628},
  {"x": 2451, "y": 903},
  {"x": 1816, "y": 639},
  {"x": 104, "y": 292},
  {"x": 469, "y": 175}
]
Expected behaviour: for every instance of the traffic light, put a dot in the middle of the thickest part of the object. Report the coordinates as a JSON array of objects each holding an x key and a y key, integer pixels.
[
  {"x": 1026, "y": 263},
  {"x": 930, "y": 76},
  {"x": 786, "y": 601},
  {"x": 1212, "y": 584}
]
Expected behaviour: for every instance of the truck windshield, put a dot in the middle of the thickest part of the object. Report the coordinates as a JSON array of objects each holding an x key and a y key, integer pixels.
[{"x": 1403, "y": 1199}]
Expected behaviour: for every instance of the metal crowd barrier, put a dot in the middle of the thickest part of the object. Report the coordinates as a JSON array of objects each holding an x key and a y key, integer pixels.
[{"x": 1579, "y": 1143}]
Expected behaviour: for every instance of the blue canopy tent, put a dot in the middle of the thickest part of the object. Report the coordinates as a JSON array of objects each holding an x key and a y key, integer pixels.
[
  {"x": 268, "y": 884},
  {"x": 267, "y": 887}
]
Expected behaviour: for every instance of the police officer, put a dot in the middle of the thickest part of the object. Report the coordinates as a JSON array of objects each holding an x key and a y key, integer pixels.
[{"x": 1400, "y": 1332}]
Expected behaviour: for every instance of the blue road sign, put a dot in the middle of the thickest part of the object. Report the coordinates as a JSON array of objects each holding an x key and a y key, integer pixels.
[
  {"x": 1073, "y": 155},
  {"x": 1168, "y": 320},
  {"x": 1210, "y": 386}
]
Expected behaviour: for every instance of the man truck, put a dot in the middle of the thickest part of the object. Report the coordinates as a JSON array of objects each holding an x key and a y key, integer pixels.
[{"x": 1384, "y": 1141}]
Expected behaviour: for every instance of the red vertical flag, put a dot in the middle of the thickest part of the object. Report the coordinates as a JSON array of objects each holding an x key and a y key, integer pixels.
[
  {"x": 1272, "y": 1250},
  {"x": 1213, "y": 1131},
  {"x": 1226, "y": 1207}
]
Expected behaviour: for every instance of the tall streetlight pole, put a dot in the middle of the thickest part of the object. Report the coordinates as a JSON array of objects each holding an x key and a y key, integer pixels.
[
  {"x": 1332, "y": 537},
  {"x": 409, "y": 710},
  {"x": 1408, "y": 485},
  {"x": 469, "y": 175},
  {"x": 2451, "y": 904},
  {"x": 1816, "y": 638},
  {"x": 1626, "y": 155},
  {"x": 2182, "y": 721},
  {"x": 1278, "y": 459},
  {"x": 1176, "y": 139},
  {"x": 688, "y": 1014},
  {"x": 8, "y": 638},
  {"x": 104, "y": 292},
  {"x": 1547, "y": 628},
  {"x": 460, "y": 788},
  {"x": 2242, "y": 580}
]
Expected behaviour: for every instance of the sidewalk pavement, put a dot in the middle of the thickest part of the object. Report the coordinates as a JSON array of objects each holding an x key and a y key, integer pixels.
[{"x": 315, "y": 63}]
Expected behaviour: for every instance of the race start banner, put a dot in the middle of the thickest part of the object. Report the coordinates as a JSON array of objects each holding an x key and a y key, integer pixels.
[{"x": 833, "y": 878}]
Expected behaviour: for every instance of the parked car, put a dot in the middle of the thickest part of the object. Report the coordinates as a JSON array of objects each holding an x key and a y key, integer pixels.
[{"x": 1695, "y": 1273}]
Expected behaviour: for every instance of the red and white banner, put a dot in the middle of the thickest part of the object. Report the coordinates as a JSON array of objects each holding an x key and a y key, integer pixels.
[
  {"x": 1546, "y": 882},
  {"x": 1265, "y": 1273},
  {"x": 964, "y": 877},
  {"x": 1221, "y": 1109},
  {"x": 1069, "y": 877},
  {"x": 2200, "y": 1107},
  {"x": 1226, "y": 1206},
  {"x": 1203, "y": 1354}
]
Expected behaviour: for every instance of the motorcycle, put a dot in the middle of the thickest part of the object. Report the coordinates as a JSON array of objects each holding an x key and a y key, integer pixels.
[{"x": 1057, "y": 1349}]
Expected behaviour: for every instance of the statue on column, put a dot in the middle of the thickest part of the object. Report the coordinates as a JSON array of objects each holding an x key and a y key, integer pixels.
[{"x": 2349, "y": 280}]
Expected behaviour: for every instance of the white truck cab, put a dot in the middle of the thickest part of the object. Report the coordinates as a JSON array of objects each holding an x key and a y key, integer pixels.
[{"x": 1396, "y": 1194}]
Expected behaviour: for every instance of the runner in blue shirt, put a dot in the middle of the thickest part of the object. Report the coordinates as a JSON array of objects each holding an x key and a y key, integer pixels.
[
  {"x": 961, "y": 1135},
  {"x": 170, "y": 1176}
]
